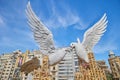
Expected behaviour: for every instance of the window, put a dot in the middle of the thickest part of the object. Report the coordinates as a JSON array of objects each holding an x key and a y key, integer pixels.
[
  {"x": 76, "y": 63},
  {"x": 54, "y": 68},
  {"x": 115, "y": 74},
  {"x": 53, "y": 78},
  {"x": 6, "y": 73},
  {"x": 26, "y": 74}
]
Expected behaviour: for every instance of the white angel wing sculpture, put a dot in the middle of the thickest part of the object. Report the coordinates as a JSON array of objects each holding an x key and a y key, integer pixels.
[
  {"x": 41, "y": 33},
  {"x": 91, "y": 38},
  {"x": 93, "y": 35},
  {"x": 44, "y": 38}
]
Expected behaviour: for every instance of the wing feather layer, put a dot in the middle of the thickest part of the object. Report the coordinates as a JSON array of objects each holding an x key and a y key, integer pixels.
[
  {"x": 93, "y": 34},
  {"x": 42, "y": 35}
]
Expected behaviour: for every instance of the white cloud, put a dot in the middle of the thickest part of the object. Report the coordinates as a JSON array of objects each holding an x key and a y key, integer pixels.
[
  {"x": 63, "y": 19},
  {"x": 23, "y": 39},
  {"x": 1, "y": 21},
  {"x": 9, "y": 42},
  {"x": 102, "y": 48},
  {"x": 23, "y": 33}
]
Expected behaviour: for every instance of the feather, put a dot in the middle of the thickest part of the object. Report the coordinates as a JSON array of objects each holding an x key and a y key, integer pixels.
[
  {"x": 44, "y": 38},
  {"x": 41, "y": 33},
  {"x": 93, "y": 34}
]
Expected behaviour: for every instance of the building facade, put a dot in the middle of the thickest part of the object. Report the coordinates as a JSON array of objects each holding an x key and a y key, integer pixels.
[
  {"x": 67, "y": 67},
  {"x": 3, "y": 62},
  {"x": 114, "y": 62},
  {"x": 43, "y": 72},
  {"x": 91, "y": 71},
  {"x": 65, "y": 70},
  {"x": 102, "y": 65},
  {"x": 27, "y": 57},
  {"x": 8, "y": 66}
]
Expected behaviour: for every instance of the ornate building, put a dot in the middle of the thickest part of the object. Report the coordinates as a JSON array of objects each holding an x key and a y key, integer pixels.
[
  {"x": 35, "y": 66},
  {"x": 102, "y": 65},
  {"x": 64, "y": 70},
  {"x": 114, "y": 62},
  {"x": 28, "y": 56},
  {"x": 90, "y": 71},
  {"x": 42, "y": 73},
  {"x": 10, "y": 65}
]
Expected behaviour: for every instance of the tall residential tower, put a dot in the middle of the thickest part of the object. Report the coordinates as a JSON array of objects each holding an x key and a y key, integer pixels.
[{"x": 114, "y": 62}]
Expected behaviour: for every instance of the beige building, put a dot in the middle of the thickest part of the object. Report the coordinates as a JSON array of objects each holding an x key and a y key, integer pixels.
[
  {"x": 9, "y": 70},
  {"x": 10, "y": 64},
  {"x": 90, "y": 71},
  {"x": 36, "y": 74},
  {"x": 3, "y": 61},
  {"x": 65, "y": 70},
  {"x": 114, "y": 62},
  {"x": 27, "y": 57},
  {"x": 43, "y": 72},
  {"x": 102, "y": 65}
]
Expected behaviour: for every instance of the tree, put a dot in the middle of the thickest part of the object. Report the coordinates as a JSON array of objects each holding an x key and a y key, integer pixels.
[{"x": 109, "y": 76}]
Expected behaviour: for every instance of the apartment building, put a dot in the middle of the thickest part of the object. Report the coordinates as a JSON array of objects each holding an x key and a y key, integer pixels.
[
  {"x": 67, "y": 67},
  {"x": 64, "y": 70},
  {"x": 102, "y": 64},
  {"x": 3, "y": 61},
  {"x": 114, "y": 62},
  {"x": 8, "y": 65}
]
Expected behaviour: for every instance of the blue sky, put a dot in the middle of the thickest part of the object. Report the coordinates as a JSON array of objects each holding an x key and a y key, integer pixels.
[{"x": 67, "y": 19}]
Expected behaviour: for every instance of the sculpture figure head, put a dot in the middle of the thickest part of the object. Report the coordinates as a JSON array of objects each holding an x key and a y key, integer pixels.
[
  {"x": 79, "y": 50},
  {"x": 74, "y": 44}
]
